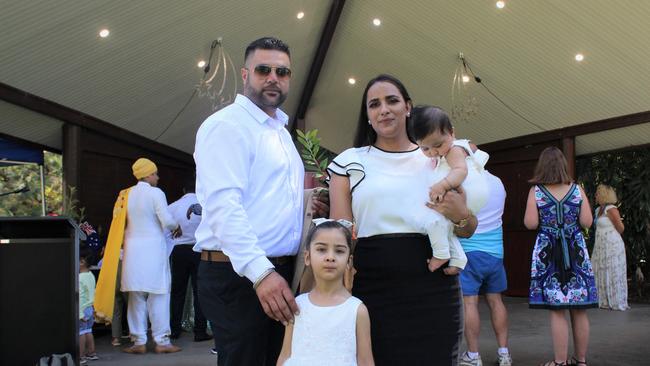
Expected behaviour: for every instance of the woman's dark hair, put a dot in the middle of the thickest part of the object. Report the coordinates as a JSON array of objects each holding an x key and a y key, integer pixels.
[
  {"x": 365, "y": 134},
  {"x": 329, "y": 225},
  {"x": 551, "y": 168},
  {"x": 426, "y": 119}
]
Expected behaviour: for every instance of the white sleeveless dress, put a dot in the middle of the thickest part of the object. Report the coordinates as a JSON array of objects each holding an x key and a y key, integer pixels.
[
  {"x": 324, "y": 335},
  {"x": 608, "y": 261}
]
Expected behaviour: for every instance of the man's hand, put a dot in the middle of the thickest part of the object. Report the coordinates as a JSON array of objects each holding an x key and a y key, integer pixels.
[
  {"x": 320, "y": 203},
  {"x": 177, "y": 232},
  {"x": 277, "y": 299},
  {"x": 453, "y": 206}
]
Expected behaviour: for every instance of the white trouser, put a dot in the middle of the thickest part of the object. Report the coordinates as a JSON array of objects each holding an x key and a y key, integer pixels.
[{"x": 157, "y": 306}]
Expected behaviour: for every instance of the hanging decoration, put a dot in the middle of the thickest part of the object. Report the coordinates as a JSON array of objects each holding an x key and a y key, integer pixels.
[
  {"x": 219, "y": 81},
  {"x": 464, "y": 105}
]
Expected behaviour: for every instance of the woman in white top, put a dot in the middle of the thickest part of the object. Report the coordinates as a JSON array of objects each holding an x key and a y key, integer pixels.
[
  {"x": 608, "y": 259},
  {"x": 333, "y": 327},
  {"x": 416, "y": 314}
]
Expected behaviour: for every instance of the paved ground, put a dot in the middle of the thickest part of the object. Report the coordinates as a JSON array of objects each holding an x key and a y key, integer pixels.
[{"x": 617, "y": 338}]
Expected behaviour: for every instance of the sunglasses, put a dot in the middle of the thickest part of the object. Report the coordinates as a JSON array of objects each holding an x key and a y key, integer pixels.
[{"x": 280, "y": 71}]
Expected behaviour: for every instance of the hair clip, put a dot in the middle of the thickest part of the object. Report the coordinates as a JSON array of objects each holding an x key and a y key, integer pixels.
[{"x": 348, "y": 225}]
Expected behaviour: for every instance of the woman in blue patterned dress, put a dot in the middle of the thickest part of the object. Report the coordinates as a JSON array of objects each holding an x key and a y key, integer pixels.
[{"x": 561, "y": 275}]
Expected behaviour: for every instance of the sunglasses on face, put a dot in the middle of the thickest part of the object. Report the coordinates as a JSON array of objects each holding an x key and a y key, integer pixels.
[{"x": 280, "y": 71}]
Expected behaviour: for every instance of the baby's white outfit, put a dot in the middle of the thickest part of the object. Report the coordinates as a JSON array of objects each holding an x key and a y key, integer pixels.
[
  {"x": 444, "y": 243},
  {"x": 324, "y": 335}
]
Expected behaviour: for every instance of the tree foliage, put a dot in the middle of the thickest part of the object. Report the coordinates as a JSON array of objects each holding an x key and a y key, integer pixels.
[
  {"x": 28, "y": 203},
  {"x": 627, "y": 172}
]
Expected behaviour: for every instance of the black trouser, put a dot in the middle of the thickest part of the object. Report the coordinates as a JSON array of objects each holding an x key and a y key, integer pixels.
[
  {"x": 184, "y": 266},
  {"x": 244, "y": 335}
]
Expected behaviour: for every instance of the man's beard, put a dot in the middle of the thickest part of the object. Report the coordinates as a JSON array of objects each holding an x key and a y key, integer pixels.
[{"x": 261, "y": 100}]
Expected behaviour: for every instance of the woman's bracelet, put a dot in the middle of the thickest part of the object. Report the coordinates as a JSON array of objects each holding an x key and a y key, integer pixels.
[
  {"x": 262, "y": 277},
  {"x": 463, "y": 222}
]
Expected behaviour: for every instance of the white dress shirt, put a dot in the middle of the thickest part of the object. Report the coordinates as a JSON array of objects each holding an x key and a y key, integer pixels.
[
  {"x": 178, "y": 209},
  {"x": 249, "y": 180}
]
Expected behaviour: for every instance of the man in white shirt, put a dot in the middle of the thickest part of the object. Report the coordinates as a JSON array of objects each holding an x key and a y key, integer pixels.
[
  {"x": 485, "y": 274},
  {"x": 145, "y": 264},
  {"x": 184, "y": 266},
  {"x": 250, "y": 184}
]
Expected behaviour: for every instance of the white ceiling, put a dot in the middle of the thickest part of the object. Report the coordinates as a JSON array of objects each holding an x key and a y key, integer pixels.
[{"x": 140, "y": 77}]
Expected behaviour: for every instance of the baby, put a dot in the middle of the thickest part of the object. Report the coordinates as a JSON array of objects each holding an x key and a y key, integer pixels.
[{"x": 431, "y": 129}]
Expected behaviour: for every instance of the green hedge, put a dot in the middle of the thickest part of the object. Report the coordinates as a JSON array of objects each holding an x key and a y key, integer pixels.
[{"x": 628, "y": 171}]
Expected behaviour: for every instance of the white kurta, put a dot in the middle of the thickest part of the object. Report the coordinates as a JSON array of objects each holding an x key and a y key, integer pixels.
[{"x": 145, "y": 265}]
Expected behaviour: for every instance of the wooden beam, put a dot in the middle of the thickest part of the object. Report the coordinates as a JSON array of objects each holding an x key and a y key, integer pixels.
[
  {"x": 312, "y": 78},
  {"x": 569, "y": 150},
  {"x": 66, "y": 114},
  {"x": 571, "y": 131}
]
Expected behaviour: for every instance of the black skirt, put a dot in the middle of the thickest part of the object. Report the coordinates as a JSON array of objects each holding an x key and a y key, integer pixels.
[{"x": 415, "y": 315}]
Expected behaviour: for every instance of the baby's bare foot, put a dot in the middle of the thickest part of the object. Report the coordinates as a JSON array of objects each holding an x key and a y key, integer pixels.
[
  {"x": 435, "y": 263},
  {"x": 450, "y": 271}
]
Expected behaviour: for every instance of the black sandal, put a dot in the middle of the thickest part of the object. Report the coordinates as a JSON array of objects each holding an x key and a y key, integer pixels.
[
  {"x": 553, "y": 363},
  {"x": 575, "y": 362}
]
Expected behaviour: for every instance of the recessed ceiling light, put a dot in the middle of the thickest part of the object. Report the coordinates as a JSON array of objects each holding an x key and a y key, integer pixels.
[
  {"x": 201, "y": 63},
  {"x": 104, "y": 33},
  {"x": 376, "y": 22},
  {"x": 300, "y": 15},
  {"x": 501, "y": 4},
  {"x": 352, "y": 81},
  {"x": 580, "y": 57},
  {"x": 465, "y": 79}
]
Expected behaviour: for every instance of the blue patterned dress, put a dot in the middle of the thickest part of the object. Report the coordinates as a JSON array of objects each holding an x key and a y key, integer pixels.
[{"x": 561, "y": 276}]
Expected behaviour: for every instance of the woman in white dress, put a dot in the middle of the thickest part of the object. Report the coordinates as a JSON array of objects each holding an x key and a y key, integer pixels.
[{"x": 608, "y": 258}]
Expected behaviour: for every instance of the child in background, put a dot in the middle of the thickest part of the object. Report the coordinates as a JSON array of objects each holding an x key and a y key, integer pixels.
[
  {"x": 431, "y": 129},
  {"x": 86, "y": 311},
  {"x": 561, "y": 274},
  {"x": 333, "y": 327}
]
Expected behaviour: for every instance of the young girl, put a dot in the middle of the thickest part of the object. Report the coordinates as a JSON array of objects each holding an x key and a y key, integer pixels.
[
  {"x": 333, "y": 327},
  {"x": 86, "y": 311},
  {"x": 431, "y": 129},
  {"x": 608, "y": 257},
  {"x": 561, "y": 274}
]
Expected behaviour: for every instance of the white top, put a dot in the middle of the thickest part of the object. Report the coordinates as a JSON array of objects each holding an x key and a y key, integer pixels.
[
  {"x": 381, "y": 182},
  {"x": 178, "y": 209},
  {"x": 145, "y": 266},
  {"x": 474, "y": 184},
  {"x": 490, "y": 217},
  {"x": 249, "y": 181},
  {"x": 603, "y": 222},
  {"x": 324, "y": 335}
]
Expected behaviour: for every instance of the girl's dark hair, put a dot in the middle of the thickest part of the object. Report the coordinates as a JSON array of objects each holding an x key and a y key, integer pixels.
[
  {"x": 86, "y": 255},
  {"x": 365, "y": 134},
  {"x": 551, "y": 168},
  {"x": 329, "y": 225},
  {"x": 426, "y": 119}
]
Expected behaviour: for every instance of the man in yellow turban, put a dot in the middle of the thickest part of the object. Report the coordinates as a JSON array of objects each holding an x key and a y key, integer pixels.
[{"x": 140, "y": 222}]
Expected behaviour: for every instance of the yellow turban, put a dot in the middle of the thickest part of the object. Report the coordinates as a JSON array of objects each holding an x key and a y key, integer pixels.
[{"x": 143, "y": 167}]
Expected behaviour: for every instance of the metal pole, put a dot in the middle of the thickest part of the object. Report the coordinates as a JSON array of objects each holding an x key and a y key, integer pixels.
[{"x": 42, "y": 191}]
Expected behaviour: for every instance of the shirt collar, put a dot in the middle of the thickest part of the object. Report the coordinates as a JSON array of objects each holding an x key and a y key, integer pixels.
[
  {"x": 258, "y": 114},
  {"x": 140, "y": 182}
]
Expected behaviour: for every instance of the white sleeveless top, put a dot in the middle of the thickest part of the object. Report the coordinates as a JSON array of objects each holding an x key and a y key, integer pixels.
[{"x": 324, "y": 335}]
